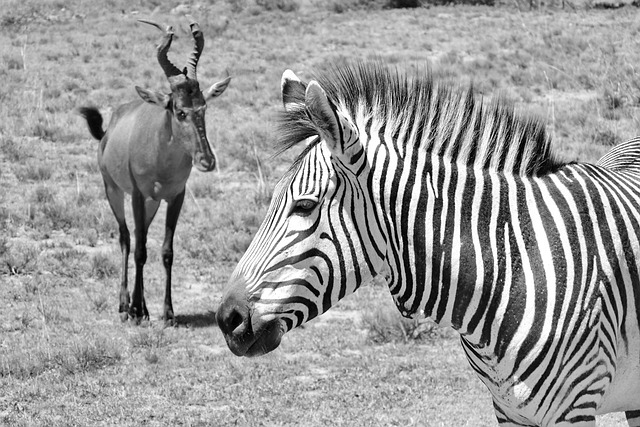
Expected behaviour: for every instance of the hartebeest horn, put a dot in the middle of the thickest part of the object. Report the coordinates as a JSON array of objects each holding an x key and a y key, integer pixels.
[
  {"x": 170, "y": 70},
  {"x": 198, "y": 45}
]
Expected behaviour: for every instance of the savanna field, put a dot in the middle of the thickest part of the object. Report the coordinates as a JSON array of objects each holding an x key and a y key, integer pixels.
[{"x": 66, "y": 359}]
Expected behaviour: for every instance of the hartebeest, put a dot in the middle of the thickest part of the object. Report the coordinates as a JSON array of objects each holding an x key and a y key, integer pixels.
[{"x": 147, "y": 151}]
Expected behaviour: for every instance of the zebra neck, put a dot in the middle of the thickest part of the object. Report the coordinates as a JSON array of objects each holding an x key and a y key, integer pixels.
[{"x": 454, "y": 236}]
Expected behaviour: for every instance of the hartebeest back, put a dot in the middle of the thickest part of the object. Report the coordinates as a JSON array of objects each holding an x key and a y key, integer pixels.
[{"x": 147, "y": 151}]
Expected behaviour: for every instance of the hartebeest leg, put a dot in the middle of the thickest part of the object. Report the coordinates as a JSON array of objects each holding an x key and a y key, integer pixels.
[
  {"x": 116, "y": 201},
  {"x": 143, "y": 213},
  {"x": 173, "y": 212}
]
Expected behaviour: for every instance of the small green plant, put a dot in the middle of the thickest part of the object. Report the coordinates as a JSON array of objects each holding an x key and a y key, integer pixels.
[
  {"x": 283, "y": 5},
  {"x": 43, "y": 194},
  {"x": 151, "y": 357},
  {"x": 100, "y": 302},
  {"x": 103, "y": 266},
  {"x": 48, "y": 312},
  {"x": 603, "y": 135},
  {"x": 12, "y": 150},
  {"x": 18, "y": 258},
  {"x": 337, "y": 6},
  {"x": 25, "y": 321},
  {"x": 149, "y": 338},
  {"x": 385, "y": 324},
  {"x": 397, "y": 4},
  {"x": 35, "y": 172},
  {"x": 90, "y": 356}
]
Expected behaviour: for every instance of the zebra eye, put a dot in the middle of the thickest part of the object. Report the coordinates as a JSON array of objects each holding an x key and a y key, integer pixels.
[
  {"x": 303, "y": 207},
  {"x": 181, "y": 115}
]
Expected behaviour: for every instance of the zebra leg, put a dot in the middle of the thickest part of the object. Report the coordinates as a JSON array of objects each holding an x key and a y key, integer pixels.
[
  {"x": 173, "y": 212},
  {"x": 633, "y": 418}
]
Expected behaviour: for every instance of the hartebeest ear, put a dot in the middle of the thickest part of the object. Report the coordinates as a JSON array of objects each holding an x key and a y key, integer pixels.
[
  {"x": 216, "y": 89},
  {"x": 340, "y": 135},
  {"x": 152, "y": 97},
  {"x": 293, "y": 92}
]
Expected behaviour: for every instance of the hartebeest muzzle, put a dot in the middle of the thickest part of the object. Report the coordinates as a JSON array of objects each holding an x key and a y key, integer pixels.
[{"x": 205, "y": 162}]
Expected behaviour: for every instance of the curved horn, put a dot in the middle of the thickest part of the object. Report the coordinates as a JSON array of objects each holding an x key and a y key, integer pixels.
[
  {"x": 170, "y": 70},
  {"x": 198, "y": 45}
]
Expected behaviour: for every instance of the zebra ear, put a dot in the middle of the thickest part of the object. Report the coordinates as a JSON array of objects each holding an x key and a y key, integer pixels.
[
  {"x": 292, "y": 92},
  {"x": 340, "y": 135}
]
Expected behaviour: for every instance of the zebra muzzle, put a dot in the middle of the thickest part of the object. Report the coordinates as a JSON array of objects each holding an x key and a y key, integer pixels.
[{"x": 246, "y": 336}]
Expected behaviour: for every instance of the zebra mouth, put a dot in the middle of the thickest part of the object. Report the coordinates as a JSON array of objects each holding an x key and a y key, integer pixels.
[{"x": 258, "y": 343}]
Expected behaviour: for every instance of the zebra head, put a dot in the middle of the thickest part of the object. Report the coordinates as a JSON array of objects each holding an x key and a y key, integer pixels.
[{"x": 320, "y": 238}]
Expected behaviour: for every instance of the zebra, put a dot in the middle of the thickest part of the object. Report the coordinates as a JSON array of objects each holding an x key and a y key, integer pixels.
[{"x": 462, "y": 207}]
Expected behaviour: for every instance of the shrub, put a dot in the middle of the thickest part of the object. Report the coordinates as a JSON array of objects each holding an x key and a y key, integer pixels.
[
  {"x": 604, "y": 136},
  {"x": 150, "y": 338},
  {"x": 103, "y": 266},
  {"x": 35, "y": 172},
  {"x": 14, "y": 152},
  {"x": 384, "y": 324},
  {"x": 401, "y": 4},
  {"x": 43, "y": 194},
  {"x": 283, "y": 5},
  {"x": 18, "y": 258}
]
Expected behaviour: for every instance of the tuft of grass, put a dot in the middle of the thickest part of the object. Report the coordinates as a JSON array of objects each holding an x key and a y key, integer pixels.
[
  {"x": 603, "y": 135},
  {"x": 35, "y": 172},
  {"x": 86, "y": 356},
  {"x": 80, "y": 355},
  {"x": 50, "y": 313},
  {"x": 385, "y": 324},
  {"x": 43, "y": 194},
  {"x": 18, "y": 258},
  {"x": 103, "y": 266},
  {"x": 403, "y": 4},
  {"x": 150, "y": 339},
  {"x": 99, "y": 302},
  {"x": 282, "y": 5}
]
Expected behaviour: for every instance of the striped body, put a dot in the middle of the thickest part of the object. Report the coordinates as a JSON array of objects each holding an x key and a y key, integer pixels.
[{"x": 465, "y": 213}]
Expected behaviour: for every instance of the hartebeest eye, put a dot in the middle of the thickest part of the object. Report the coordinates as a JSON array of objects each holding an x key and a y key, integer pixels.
[
  {"x": 303, "y": 207},
  {"x": 181, "y": 115}
]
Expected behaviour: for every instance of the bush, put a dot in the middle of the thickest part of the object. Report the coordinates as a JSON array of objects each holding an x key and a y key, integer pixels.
[
  {"x": 384, "y": 324},
  {"x": 283, "y": 5},
  {"x": 103, "y": 266},
  {"x": 401, "y": 4}
]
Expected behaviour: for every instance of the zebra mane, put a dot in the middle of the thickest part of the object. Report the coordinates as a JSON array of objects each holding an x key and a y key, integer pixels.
[{"x": 446, "y": 120}]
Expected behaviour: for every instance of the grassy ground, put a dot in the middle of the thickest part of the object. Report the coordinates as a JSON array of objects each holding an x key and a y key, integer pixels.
[{"x": 65, "y": 358}]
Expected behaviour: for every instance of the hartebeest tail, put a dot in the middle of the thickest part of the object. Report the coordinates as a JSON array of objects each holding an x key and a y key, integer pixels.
[
  {"x": 148, "y": 151},
  {"x": 94, "y": 120}
]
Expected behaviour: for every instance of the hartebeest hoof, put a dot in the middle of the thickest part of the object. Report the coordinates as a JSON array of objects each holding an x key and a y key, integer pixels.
[
  {"x": 125, "y": 300},
  {"x": 169, "y": 318},
  {"x": 138, "y": 313}
]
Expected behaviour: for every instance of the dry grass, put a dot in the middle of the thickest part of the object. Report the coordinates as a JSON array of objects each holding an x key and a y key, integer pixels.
[{"x": 65, "y": 359}]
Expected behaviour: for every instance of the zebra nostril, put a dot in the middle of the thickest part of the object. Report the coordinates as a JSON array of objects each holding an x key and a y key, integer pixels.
[
  {"x": 234, "y": 321},
  {"x": 233, "y": 316},
  {"x": 231, "y": 320}
]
